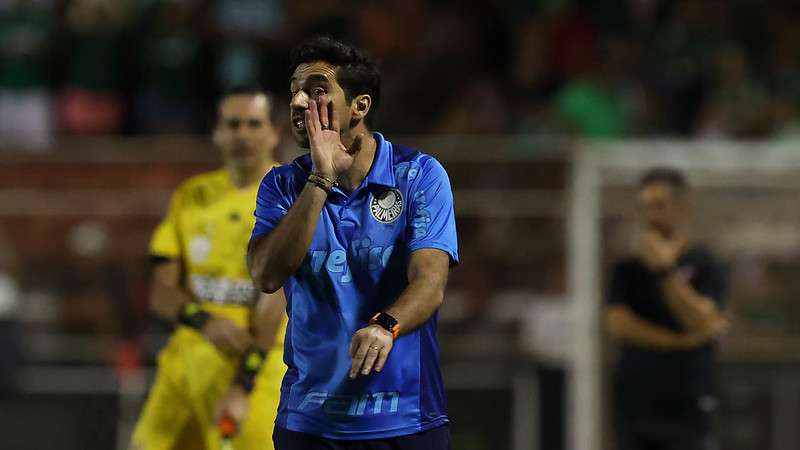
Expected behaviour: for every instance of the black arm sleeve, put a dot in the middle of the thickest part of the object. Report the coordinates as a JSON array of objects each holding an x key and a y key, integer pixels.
[
  {"x": 711, "y": 280},
  {"x": 618, "y": 285}
]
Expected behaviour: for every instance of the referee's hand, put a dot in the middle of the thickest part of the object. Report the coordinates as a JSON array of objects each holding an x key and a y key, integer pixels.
[
  {"x": 369, "y": 349},
  {"x": 233, "y": 406},
  {"x": 226, "y": 335}
]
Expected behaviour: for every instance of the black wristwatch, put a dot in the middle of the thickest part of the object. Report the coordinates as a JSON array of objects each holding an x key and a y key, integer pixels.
[{"x": 386, "y": 322}]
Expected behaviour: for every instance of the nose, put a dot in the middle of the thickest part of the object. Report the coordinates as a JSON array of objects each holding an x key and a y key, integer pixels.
[
  {"x": 299, "y": 100},
  {"x": 242, "y": 134},
  {"x": 239, "y": 130}
]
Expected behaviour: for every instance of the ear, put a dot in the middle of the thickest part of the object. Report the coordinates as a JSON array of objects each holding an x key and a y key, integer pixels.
[
  {"x": 359, "y": 107},
  {"x": 274, "y": 134},
  {"x": 216, "y": 136}
]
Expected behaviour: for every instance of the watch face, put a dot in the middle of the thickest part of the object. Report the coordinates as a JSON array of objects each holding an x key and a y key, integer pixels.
[{"x": 387, "y": 321}]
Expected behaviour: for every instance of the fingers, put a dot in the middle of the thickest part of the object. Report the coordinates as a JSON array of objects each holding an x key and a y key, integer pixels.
[
  {"x": 334, "y": 117},
  {"x": 243, "y": 339},
  {"x": 721, "y": 326},
  {"x": 368, "y": 352},
  {"x": 312, "y": 118},
  {"x": 223, "y": 344},
  {"x": 233, "y": 406},
  {"x": 358, "y": 358},
  {"x": 236, "y": 339},
  {"x": 369, "y": 361},
  {"x": 215, "y": 333},
  {"x": 382, "y": 355},
  {"x": 232, "y": 340},
  {"x": 323, "y": 112}
]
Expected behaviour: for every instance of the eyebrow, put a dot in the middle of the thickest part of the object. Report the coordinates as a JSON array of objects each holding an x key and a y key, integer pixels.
[{"x": 313, "y": 77}]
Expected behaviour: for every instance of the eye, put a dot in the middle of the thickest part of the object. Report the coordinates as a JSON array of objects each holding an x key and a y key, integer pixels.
[
  {"x": 317, "y": 91},
  {"x": 253, "y": 123},
  {"x": 233, "y": 124}
]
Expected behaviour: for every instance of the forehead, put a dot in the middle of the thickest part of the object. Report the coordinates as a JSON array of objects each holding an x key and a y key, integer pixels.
[
  {"x": 656, "y": 191},
  {"x": 244, "y": 105},
  {"x": 317, "y": 70}
]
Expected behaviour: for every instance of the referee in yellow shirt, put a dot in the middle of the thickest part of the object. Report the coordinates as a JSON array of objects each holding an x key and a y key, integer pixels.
[{"x": 225, "y": 356}]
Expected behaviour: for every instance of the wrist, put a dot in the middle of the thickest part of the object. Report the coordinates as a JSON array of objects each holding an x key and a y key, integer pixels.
[
  {"x": 381, "y": 330},
  {"x": 324, "y": 182},
  {"x": 327, "y": 174},
  {"x": 238, "y": 388},
  {"x": 251, "y": 363},
  {"x": 387, "y": 322},
  {"x": 193, "y": 315}
]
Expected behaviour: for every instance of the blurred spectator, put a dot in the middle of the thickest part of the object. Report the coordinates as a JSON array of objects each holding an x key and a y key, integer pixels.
[
  {"x": 257, "y": 19},
  {"x": 784, "y": 55},
  {"x": 678, "y": 54},
  {"x": 573, "y": 43},
  {"x": 532, "y": 83},
  {"x": 477, "y": 108},
  {"x": 529, "y": 70},
  {"x": 95, "y": 293},
  {"x": 383, "y": 26},
  {"x": 170, "y": 57},
  {"x": 784, "y": 74},
  {"x": 90, "y": 100},
  {"x": 10, "y": 326},
  {"x": 599, "y": 104},
  {"x": 737, "y": 103},
  {"x": 447, "y": 58},
  {"x": 25, "y": 106},
  {"x": 329, "y": 17},
  {"x": 535, "y": 61},
  {"x": 244, "y": 26}
]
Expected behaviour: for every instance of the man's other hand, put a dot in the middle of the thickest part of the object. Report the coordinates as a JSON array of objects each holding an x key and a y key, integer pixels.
[{"x": 369, "y": 349}]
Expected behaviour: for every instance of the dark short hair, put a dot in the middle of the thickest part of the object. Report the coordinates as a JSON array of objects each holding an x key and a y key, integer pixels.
[
  {"x": 667, "y": 175},
  {"x": 248, "y": 89},
  {"x": 357, "y": 71}
]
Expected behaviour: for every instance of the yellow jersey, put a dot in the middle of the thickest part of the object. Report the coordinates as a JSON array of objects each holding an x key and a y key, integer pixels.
[{"x": 207, "y": 228}]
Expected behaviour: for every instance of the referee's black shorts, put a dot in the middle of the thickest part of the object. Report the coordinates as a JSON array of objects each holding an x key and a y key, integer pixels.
[{"x": 433, "y": 439}]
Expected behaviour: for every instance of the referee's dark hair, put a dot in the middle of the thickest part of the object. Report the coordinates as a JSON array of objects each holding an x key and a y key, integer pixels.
[
  {"x": 243, "y": 89},
  {"x": 670, "y": 176},
  {"x": 249, "y": 89},
  {"x": 357, "y": 71}
]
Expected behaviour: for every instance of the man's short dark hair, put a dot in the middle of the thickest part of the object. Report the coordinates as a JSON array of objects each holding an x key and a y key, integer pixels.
[
  {"x": 357, "y": 71},
  {"x": 667, "y": 175},
  {"x": 248, "y": 89}
]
